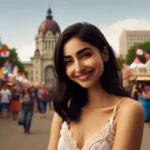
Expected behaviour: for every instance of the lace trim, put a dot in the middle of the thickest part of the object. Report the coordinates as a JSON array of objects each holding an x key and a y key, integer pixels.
[
  {"x": 106, "y": 131},
  {"x": 67, "y": 136}
]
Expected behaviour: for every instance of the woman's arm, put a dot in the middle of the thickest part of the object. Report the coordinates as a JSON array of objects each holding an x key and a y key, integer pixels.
[
  {"x": 55, "y": 132},
  {"x": 129, "y": 126}
]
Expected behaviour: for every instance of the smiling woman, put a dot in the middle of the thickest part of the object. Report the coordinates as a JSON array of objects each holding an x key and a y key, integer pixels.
[
  {"x": 92, "y": 108},
  {"x": 84, "y": 63}
]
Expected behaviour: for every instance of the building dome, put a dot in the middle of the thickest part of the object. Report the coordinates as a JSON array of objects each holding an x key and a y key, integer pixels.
[{"x": 49, "y": 24}]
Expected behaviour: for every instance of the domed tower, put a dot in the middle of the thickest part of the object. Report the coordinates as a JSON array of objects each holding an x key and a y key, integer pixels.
[{"x": 48, "y": 34}]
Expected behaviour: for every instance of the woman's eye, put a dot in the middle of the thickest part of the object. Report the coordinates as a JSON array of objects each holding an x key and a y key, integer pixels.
[
  {"x": 86, "y": 55},
  {"x": 67, "y": 62}
]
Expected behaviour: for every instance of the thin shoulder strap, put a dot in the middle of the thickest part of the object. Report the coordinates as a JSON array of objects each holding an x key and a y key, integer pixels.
[{"x": 116, "y": 108}]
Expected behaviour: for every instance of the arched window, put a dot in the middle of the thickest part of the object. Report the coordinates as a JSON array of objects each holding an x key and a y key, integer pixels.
[{"x": 49, "y": 75}]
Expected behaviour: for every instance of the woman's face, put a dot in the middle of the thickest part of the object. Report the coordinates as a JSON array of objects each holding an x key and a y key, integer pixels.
[{"x": 83, "y": 62}]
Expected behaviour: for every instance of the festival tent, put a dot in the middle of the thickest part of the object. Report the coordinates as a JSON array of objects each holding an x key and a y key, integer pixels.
[{"x": 136, "y": 63}]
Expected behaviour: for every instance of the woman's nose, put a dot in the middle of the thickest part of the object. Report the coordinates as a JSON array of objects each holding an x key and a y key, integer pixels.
[{"x": 78, "y": 66}]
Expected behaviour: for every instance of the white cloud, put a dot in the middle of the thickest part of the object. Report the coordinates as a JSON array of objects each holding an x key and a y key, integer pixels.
[
  {"x": 26, "y": 51},
  {"x": 113, "y": 31}
]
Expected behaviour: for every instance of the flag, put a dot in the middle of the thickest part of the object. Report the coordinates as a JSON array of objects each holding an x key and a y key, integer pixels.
[
  {"x": 9, "y": 68},
  {"x": 15, "y": 71},
  {"x": 140, "y": 51},
  {"x": 5, "y": 77},
  {"x": 2, "y": 72}
]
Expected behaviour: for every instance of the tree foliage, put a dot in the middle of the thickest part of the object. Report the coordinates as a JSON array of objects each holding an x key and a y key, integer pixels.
[{"x": 132, "y": 52}]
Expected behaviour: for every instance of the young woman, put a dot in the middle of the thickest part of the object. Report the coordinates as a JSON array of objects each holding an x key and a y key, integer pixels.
[
  {"x": 15, "y": 104},
  {"x": 27, "y": 109},
  {"x": 92, "y": 109}
]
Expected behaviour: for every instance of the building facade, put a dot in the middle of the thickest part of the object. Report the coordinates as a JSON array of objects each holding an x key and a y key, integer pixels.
[
  {"x": 28, "y": 66},
  {"x": 40, "y": 69},
  {"x": 129, "y": 38}
]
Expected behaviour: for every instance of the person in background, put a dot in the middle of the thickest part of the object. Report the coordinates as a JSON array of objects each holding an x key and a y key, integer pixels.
[
  {"x": 15, "y": 104},
  {"x": 39, "y": 97},
  {"x": 5, "y": 96},
  {"x": 27, "y": 101},
  {"x": 43, "y": 102},
  {"x": 134, "y": 93},
  {"x": 140, "y": 88},
  {"x": 50, "y": 96}
]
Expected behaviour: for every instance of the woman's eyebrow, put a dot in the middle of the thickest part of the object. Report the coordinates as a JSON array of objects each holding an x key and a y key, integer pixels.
[{"x": 78, "y": 52}]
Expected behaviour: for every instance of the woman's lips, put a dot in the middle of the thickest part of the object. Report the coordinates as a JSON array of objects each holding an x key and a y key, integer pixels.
[{"x": 85, "y": 76}]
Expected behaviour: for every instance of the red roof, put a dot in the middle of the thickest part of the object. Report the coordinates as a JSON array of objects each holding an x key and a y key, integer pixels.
[{"x": 137, "y": 61}]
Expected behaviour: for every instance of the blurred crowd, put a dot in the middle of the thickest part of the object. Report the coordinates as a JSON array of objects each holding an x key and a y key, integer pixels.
[
  {"x": 20, "y": 103},
  {"x": 141, "y": 89}
]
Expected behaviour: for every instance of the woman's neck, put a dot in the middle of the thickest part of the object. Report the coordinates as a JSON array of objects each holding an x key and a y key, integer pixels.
[{"x": 97, "y": 97}]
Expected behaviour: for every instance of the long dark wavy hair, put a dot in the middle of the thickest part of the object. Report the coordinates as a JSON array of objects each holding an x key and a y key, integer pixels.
[{"x": 71, "y": 97}]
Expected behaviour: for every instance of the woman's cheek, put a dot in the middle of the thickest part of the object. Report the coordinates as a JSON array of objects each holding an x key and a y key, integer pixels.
[
  {"x": 94, "y": 63},
  {"x": 69, "y": 72}
]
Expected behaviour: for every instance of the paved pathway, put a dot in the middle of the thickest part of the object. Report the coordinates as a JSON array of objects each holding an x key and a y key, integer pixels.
[{"x": 13, "y": 138}]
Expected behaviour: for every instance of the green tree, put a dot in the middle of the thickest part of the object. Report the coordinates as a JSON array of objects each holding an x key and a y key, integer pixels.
[
  {"x": 2, "y": 61},
  {"x": 132, "y": 52},
  {"x": 122, "y": 59}
]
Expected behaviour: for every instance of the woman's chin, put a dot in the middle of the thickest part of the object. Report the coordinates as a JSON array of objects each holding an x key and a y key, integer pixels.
[{"x": 87, "y": 85}]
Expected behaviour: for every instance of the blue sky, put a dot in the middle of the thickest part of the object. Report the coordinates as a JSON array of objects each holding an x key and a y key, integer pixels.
[{"x": 20, "y": 19}]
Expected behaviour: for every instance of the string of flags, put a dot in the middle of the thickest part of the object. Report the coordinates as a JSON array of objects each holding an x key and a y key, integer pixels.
[{"x": 8, "y": 70}]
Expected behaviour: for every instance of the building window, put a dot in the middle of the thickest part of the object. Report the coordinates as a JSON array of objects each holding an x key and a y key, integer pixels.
[
  {"x": 45, "y": 45},
  {"x": 49, "y": 45}
]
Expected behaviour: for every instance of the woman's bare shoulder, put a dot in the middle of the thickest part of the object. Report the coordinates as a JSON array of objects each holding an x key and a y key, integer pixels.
[
  {"x": 129, "y": 123},
  {"x": 131, "y": 105},
  {"x": 130, "y": 109}
]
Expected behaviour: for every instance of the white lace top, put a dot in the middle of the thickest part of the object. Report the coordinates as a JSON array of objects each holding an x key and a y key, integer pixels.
[{"x": 101, "y": 140}]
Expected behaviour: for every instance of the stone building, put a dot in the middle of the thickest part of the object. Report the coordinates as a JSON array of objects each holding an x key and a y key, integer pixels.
[
  {"x": 128, "y": 38},
  {"x": 40, "y": 69}
]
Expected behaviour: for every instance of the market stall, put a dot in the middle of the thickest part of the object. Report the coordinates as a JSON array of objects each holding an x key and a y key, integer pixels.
[
  {"x": 135, "y": 70},
  {"x": 139, "y": 74}
]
